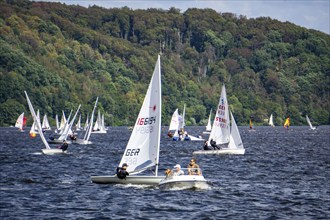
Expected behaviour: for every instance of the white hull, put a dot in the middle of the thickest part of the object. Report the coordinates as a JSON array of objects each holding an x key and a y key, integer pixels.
[
  {"x": 221, "y": 151},
  {"x": 192, "y": 138},
  {"x": 99, "y": 132},
  {"x": 52, "y": 151},
  {"x": 138, "y": 180},
  {"x": 56, "y": 141},
  {"x": 81, "y": 141},
  {"x": 184, "y": 181}
]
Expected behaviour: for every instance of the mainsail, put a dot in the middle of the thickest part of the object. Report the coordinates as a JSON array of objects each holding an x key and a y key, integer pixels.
[
  {"x": 142, "y": 150},
  {"x": 221, "y": 129}
]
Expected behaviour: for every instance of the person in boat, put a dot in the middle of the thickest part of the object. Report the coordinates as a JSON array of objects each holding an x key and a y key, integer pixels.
[
  {"x": 177, "y": 170},
  {"x": 168, "y": 172},
  {"x": 122, "y": 172},
  {"x": 64, "y": 146},
  {"x": 73, "y": 137},
  {"x": 205, "y": 146},
  {"x": 193, "y": 168},
  {"x": 214, "y": 144},
  {"x": 51, "y": 137}
]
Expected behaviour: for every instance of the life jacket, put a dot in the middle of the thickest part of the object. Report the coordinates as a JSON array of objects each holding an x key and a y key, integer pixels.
[{"x": 121, "y": 174}]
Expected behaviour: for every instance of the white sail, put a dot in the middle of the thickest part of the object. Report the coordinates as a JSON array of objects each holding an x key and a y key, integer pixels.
[
  {"x": 89, "y": 126},
  {"x": 221, "y": 129},
  {"x": 174, "y": 124},
  {"x": 34, "y": 128},
  {"x": 183, "y": 123},
  {"x": 63, "y": 121},
  {"x": 271, "y": 120},
  {"x": 67, "y": 127},
  {"x": 86, "y": 123},
  {"x": 45, "y": 123},
  {"x": 99, "y": 127},
  {"x": 78, "y": 125},
  {"x": 142, "y": 150},
  {"x": 57, "y": 123},
  {"x": 37, "y": 122},
  {"x": 235, "y": 138},
  {"x": 209, "y": 126},
  {"x": 20, "y": 122},
  {"x": 309, "y": 123}
]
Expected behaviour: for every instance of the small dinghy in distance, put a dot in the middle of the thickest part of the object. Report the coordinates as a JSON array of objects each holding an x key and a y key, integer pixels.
[{"x": 183, "y": 181}]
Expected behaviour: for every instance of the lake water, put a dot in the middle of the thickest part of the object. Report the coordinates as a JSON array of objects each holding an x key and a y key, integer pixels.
[{"x": 283, "y": 175}]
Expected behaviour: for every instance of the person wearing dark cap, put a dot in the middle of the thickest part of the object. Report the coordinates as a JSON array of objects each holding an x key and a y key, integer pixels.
[{"x": 122, "y": 172}]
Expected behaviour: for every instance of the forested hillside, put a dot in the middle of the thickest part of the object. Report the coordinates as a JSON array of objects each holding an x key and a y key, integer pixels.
[{"x": 65, "y": 55}]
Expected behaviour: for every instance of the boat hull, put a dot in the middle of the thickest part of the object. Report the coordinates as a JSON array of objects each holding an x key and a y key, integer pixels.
[
  {"x": 221, "y": 151},
  {"x": 81, "y": 141},
  {"x": 52, "y": 151},
  {"x": 135, "y": 180},
  {"x": 56, "y": 141},
  {"x": 184, "y": 181}
]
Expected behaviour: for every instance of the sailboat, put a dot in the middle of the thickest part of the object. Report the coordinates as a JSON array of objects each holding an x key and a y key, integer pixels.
[
  {"x": 178, "y": 125},
  {"x": 47, "y": 149},
  {"x": 66, "y": 130},
  {"x": 45, "y": 123},
  {"x": 271, "y": 120},
  {"x": 99, "y": 126},
  {"x": 225, "y": 135},
  {"x": 34, "y": 129},
  {"x": 21, "y": 122},
  {"x": 209, "y": 125},
  {"x": 142, "y": 150},
  {"x": 78, "y": 125},
  {"x": 287, "y": 123},
  {"x": 309, "y": 123},
  {"x": 88, "y": 130}
]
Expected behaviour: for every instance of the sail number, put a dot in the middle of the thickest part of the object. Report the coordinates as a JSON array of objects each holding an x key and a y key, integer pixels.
[
  {"x": 132, "y": 152},
  {"x": 146, "y": 121}
]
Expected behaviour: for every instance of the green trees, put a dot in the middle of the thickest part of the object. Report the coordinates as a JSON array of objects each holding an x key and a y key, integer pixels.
[{"x": 68, "y": 55}]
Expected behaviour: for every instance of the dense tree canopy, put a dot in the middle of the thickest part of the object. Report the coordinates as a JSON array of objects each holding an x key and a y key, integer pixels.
[{"x": 66, "y": 55}]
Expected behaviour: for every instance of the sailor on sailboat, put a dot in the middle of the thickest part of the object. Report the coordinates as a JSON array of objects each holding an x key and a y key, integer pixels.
[
  {"x": 142, "y": 150},
  {"x": 222, "y": 133},
  {"x": 47, "y": 150},
  {"x": 177, "y": 124}
]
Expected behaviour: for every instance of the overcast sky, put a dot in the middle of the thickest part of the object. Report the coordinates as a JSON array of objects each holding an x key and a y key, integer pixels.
[{"x": 312, "y": 14}]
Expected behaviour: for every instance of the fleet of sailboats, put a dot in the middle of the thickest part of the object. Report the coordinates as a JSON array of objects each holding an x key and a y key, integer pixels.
[{"x": 142, "y": 150}]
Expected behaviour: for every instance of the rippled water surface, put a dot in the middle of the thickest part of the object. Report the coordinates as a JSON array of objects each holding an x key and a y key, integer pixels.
[{"x": 283, "y": 175}]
